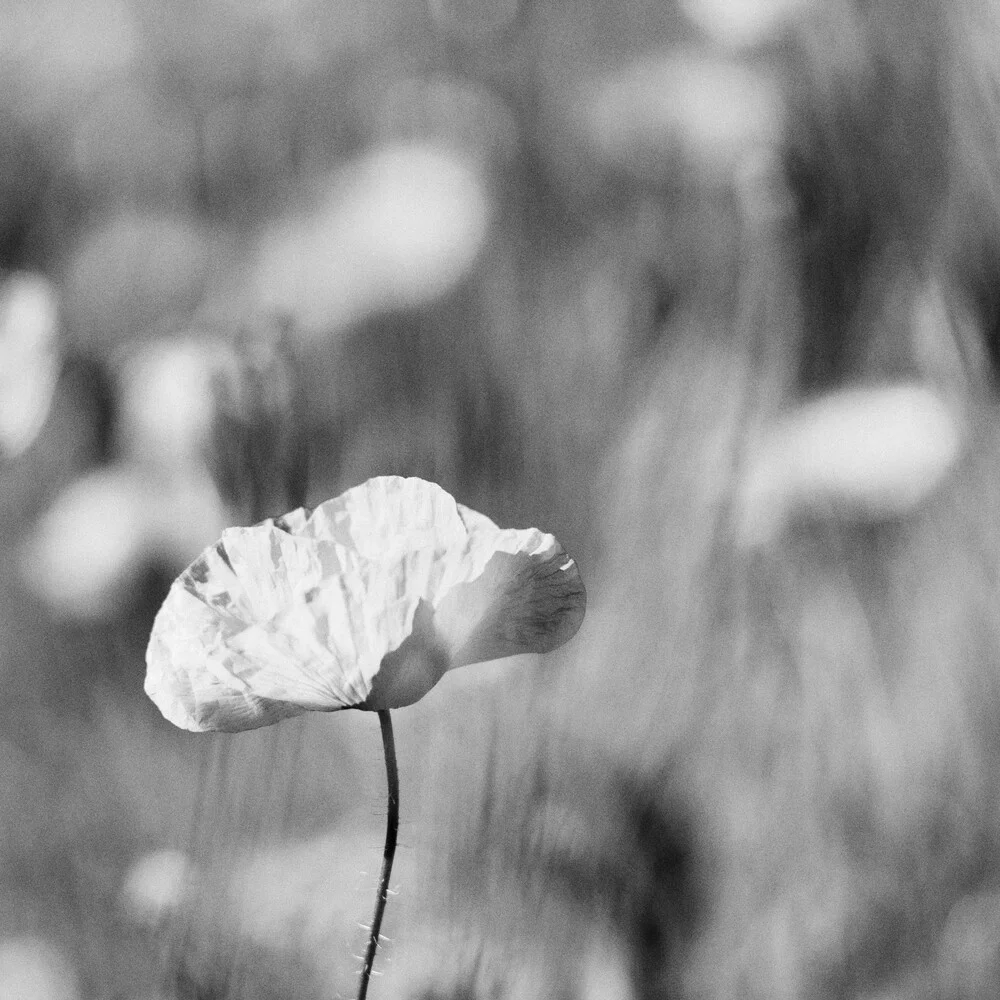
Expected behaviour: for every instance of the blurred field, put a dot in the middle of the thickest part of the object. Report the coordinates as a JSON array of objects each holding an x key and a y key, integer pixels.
[{"x": 571, "y": 262}]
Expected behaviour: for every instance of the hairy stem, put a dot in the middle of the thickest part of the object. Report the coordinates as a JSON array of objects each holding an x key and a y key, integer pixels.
[{"x": 391, "y": 830}]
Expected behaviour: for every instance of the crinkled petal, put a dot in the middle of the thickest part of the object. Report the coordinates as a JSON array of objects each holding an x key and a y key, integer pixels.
[
  {"x": 253, "y": 574},
  {"x": 214, "y": 663},
  {"x": 364, "y": 603},
  {"x": 387, "y": 517},
  {"x": 192, "y": 676}
]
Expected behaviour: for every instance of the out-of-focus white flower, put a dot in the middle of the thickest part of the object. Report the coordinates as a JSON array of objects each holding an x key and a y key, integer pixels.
[
  {"x": 365, "y": 603},
  {"x": 91, "y": 544},
  {"x": 195, "y": 415},
  {"x": 34, "y": 969},
  {"x": 398, "y": 229},
  {"x": 868, "y": 453},
  {"x": 157, "y": 885},
  {"x": 741, "y": 23},
  {"x": 165, "y": 399},
  {"x": 708, "y": 112},
  {"x": 29, "y": 359},
  {"x": 203, "y": 406}
]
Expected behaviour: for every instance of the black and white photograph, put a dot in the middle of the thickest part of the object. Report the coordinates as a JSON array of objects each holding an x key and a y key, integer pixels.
[{"x": 499, "y": 499}]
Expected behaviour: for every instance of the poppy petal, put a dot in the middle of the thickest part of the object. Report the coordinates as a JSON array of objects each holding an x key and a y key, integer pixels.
[
  {"x": 364, "y": 603},
  {"x": 529, "y": 599}
]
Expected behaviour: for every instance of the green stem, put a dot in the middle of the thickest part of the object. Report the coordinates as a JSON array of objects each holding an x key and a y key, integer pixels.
[{"x": 391, "y": 830}]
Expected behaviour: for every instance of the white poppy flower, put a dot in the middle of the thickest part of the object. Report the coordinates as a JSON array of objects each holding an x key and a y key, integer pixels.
[{"x": 364, "y": 603}]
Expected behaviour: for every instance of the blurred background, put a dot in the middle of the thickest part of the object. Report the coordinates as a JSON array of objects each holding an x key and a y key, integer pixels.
[{"x": 253, "y": 252}]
